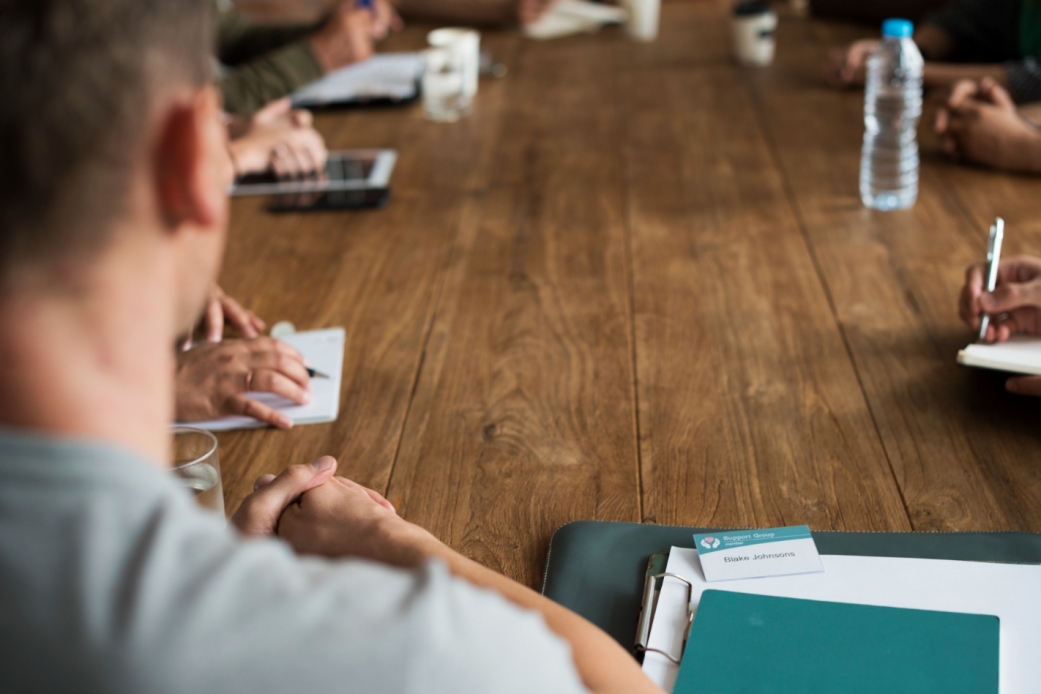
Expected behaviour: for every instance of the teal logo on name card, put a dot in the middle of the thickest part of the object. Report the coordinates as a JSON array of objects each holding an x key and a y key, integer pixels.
[{"x": 717, "y": 542}]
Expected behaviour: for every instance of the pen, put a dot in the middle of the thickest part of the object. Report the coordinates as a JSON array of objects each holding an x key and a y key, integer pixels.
[
  {"x": 314, "y": 373},
  {"x": 997, "y": 234},
  {"x": 364, "y": 4}
]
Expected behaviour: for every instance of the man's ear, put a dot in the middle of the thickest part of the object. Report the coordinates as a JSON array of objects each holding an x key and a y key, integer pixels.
[{"x": 193, "y": 170}]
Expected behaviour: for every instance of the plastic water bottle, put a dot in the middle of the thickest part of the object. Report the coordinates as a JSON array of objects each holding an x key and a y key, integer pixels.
[{"x": 892, "y": 107}]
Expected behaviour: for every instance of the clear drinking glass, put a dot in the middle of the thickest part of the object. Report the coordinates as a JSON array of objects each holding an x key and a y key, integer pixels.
[
  {"x": 444, "y": 98},
  {"x": 195, "y": 462}
]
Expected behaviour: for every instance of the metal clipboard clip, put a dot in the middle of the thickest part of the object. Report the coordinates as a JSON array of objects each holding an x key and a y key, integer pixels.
[{"x": 651, "y": 589}]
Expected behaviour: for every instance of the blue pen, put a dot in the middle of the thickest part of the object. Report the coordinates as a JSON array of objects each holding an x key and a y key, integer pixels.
[{"x": 364, "y": 4}]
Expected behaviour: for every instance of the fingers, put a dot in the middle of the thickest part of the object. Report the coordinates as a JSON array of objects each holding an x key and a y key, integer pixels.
[
  {"x": 969, "y": 302},
  {"x": 1007, "y": 297},
  {"x": 269, "y": 381},
  {"x": 214, "y": 320},
  {"x": 258, "y": 515},
  {"x": 240, "y": 404},
  {"x": 277, "y": 109},
  {"x": 996, "y": 94},
  {"x": 243, "y": 320},
  {"x": 380, "y": 499},
  {"x": 1024, "y": 385},
  {"x": 263, "y": 481},
  {"x": 963, "y": 91}
]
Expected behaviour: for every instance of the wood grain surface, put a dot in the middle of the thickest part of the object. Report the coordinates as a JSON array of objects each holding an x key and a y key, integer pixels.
[{"x": 637, "y": 283}]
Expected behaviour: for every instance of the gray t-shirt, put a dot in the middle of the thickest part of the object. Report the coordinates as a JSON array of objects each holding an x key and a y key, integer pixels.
[{"x": 113, "y": 580}]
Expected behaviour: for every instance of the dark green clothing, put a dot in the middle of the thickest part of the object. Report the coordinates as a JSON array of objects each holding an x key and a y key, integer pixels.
[
  {"x": 264, "y": 62},
  {"x": 997, "y": 31}
]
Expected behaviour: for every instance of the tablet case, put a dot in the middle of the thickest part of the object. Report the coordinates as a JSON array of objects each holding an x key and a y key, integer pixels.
[
  {"x": 597, "y": 568},
  {"x": 764, "y": 644}
]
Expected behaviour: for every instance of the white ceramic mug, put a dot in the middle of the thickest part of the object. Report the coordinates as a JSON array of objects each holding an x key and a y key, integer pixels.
[
  {"x": 466, "y": 43},
  {"x": 643, "y": 19},
  {"x": 754, "y": 29}
]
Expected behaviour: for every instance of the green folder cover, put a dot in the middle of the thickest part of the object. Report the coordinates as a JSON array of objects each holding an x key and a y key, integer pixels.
[{"x": 760, "y": 644}]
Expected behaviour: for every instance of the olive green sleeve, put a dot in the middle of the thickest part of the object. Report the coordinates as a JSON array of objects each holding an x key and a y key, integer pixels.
[{"x": 263, "y": 63}]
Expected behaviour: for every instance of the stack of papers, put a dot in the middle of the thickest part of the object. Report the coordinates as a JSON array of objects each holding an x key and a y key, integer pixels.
[
  {"x": 1020, "y": 355},
  {"x": 393, "y": 76},
  {"x": 1009, "y": 591},
  {"x": 569, "y": 17},
  {"x": 324, "y": 350}
]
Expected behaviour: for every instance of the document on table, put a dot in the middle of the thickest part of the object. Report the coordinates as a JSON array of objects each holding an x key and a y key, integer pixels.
[
  {"x": 393, "y": 76},
  {"x": 1021, "y": 355},
  {"x": 324, "y": 350},
  {"x": 1009, "y": 591}
]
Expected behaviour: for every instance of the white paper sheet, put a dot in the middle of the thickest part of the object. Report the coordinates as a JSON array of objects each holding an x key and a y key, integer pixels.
[
  {"x": 1019, "y": 354},
  {"x": 324, "y": 350},
  {"x": 383, "y": 76},
  {"x": 1010, "y": 591}
]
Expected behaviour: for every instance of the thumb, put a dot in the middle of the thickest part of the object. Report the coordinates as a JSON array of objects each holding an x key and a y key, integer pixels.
[
  {"x": 276, "y": 109},
  {"x": 1009, "y": 296},
  {"x": 259, "y": 513},
  {"x": 1024, "y": 385}
]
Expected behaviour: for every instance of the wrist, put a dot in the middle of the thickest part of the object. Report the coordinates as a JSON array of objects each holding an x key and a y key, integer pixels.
[{"x": 409, "y": 545}]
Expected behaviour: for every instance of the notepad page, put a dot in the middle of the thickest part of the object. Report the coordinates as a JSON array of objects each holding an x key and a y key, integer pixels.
[
  {"x": 1020, "y": 355},
  {"x": 383, "y": 76},
  {"x": 1009, "y": 591},
  {"x": 324, "y": 350}
]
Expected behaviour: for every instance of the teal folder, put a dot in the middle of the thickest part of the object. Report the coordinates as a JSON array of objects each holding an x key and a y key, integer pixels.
[{"x": 756, "y": 644}]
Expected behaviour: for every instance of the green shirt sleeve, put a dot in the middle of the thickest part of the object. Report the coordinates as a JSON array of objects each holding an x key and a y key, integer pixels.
[{"x": 263, "y": 63}]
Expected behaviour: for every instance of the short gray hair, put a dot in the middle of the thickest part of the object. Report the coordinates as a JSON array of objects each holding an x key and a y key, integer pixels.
[{"x": 77, "y": 80}]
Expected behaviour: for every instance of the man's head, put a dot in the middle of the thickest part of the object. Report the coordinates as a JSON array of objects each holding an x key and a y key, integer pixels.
[{"x": 110, "y": 134}]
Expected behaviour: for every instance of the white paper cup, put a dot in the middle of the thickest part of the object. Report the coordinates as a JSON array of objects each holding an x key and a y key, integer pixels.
[
  {"x": 466, "y": 43},
  {"x": 754, "y": 29},
  {"x": 643, "y": 19}
]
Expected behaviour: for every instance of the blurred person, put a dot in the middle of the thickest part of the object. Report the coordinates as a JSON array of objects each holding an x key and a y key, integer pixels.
[
  {"x": 265, "y": 62},
  {"x": 1014, "y": 306},
  {"x": 113, "y": 215},
  {"x": 966, "y": 39},
  {"x": 981, "y": 124},
  {"x": 475, "y": 12}
]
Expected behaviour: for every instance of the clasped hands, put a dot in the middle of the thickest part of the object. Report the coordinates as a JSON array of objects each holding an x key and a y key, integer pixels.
[
  {"x": 319, "y": 514},
  {"x": 1014, "y": 307}
]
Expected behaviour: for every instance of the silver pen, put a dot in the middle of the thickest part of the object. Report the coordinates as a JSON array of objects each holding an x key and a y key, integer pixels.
[{"x": 997, "y": 234}]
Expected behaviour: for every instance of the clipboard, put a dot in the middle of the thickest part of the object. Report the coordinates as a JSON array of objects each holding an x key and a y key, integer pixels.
[{"x": 598, "y": 569}]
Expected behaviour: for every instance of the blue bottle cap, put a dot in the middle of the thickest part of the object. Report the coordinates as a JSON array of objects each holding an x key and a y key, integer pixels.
[{"x": 898, "y": 28}]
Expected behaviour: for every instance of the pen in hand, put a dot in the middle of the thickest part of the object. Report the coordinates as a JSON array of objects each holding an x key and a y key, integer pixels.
[
  {"x": 997, "y": 235},
  {"x": 315, "y": 373}
]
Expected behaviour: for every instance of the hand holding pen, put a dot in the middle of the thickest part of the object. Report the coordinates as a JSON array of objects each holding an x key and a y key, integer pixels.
[{"x": 1002, "y": 298}]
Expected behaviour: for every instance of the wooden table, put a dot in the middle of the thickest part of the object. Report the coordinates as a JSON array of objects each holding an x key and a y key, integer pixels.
[{"x": 638, "y": 284}]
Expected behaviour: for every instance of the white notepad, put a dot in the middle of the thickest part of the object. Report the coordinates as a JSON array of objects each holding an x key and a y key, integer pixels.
[
  {"x": 393, "y": 76},
  {"x": 1020, "y": 355},
  {"x": 324, "y": 350},
  {"x": 1009, "y": 591}
]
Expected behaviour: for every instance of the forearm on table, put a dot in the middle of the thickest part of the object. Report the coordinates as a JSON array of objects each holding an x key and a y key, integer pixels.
[
  {"x": 603, "y": 665},
  {"x": 948, "y": 74}
]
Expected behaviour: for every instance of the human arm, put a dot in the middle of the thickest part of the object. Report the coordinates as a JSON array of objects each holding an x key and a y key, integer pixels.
[
  {"x": 214, "y": 380},
  {"x": 268, "y": 63},
  {"x": 980, "y": 123},
  {"x": 1015, "y": 305},
  {"x": 341, "y": 519}
]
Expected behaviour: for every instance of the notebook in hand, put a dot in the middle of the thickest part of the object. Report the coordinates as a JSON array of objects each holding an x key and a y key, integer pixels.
[
  {"x": 324, "y": 350},
  {"x": 756, "y": 643},
  {"x": 1021, "y": 355}
]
